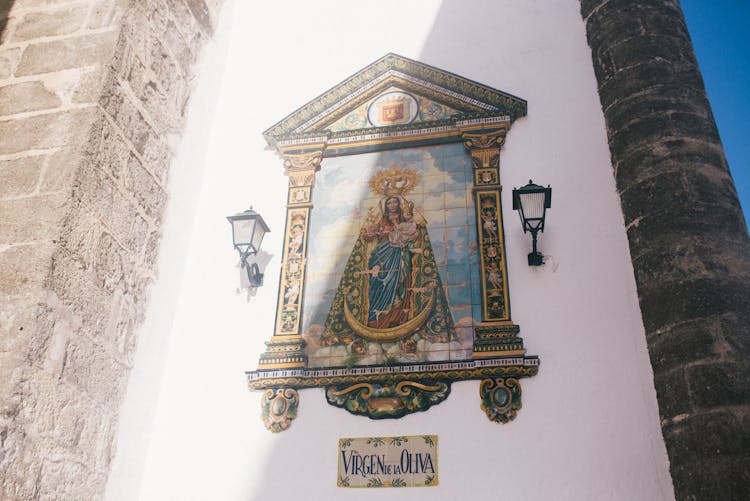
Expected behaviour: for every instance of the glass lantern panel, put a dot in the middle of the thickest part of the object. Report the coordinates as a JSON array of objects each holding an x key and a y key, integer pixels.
[
  {"x": 532, "y": 205},
  {"x": 258, "y": 237},
  {"x": 243, "y": 232}
]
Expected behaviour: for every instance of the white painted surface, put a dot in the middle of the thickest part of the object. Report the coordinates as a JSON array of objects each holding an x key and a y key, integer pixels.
[
  {"x": 186, "y": 175},
  {"x": 589, "y": 425}
]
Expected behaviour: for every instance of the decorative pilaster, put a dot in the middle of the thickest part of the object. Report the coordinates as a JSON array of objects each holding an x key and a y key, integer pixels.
[
  {"x": 484, "y": 148},
  {"x": 287, "y": 348},
  {"x": 497, "y": 336}
]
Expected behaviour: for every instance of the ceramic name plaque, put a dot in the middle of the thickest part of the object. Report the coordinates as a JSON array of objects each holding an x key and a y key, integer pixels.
[{"x": 388, "y": 461}]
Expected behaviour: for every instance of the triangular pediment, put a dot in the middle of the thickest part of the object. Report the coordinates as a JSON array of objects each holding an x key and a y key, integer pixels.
[{"x": 394, "y": 95}]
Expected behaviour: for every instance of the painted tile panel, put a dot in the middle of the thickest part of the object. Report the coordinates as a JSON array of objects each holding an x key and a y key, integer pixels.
[{"x": 388, "y": 261}]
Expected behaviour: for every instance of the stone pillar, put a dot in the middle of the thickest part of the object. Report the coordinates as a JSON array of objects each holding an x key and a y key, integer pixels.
[
  {"x": 90, "y": 93},
  {"x": 688, "y": 239}
]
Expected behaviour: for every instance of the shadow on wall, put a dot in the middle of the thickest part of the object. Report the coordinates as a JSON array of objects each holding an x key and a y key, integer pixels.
[
  {"x": 262, "y": 259},
  {"x": 4, "y": 11}
]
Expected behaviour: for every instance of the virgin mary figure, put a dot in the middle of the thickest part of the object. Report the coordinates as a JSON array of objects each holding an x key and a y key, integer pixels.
[{"x": 390, "y": 289}]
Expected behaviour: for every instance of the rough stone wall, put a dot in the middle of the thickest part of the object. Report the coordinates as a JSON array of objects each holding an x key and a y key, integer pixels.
[
  {"x": 93, "y": 95},
  {"x": 688, "y": 239}
]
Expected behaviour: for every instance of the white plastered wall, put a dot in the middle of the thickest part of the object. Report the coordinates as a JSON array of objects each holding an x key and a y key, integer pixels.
[{"x": 589, "y": 426}]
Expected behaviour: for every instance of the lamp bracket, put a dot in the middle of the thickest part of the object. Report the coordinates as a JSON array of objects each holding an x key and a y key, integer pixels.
[{"x": 254, "y": 276}]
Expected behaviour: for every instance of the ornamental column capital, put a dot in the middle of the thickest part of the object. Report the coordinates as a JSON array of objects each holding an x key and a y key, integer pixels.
[
  {"x": 484, "y": 140},
  {"x": 484, "y": 146},
  {"x": 301, "y": 167}
]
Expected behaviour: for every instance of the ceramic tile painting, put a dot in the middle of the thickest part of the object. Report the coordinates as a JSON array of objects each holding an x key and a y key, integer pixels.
[
  {"x": 382, "y": 256},
  {"x": 393, "y": 280}
]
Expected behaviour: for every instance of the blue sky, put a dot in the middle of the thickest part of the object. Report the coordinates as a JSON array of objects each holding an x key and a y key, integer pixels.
[{"x": 720, "y": 31}]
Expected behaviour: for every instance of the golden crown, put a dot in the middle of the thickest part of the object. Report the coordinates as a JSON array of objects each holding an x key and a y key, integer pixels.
[{"x": 394, "y": 181}]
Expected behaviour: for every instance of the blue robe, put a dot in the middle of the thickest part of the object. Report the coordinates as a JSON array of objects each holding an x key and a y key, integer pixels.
[{"x": 390, "y": 285}]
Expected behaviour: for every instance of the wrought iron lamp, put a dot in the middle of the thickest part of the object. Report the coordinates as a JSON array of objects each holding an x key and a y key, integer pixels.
[
  {"x": 531, "y": 202},
  {"x": 248, "y": 229}
]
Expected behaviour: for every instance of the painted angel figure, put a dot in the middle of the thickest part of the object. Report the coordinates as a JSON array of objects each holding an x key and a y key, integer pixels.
[
  {"x": 489, "y": 225},
  {"x": 494, "y": 277}
]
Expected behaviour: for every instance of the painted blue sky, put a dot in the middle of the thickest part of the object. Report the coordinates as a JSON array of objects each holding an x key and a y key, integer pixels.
[{"x": 719, "y": 30}]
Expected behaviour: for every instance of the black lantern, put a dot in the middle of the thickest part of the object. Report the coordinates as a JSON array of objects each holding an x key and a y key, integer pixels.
[
  {"x": 531, "y": 202},
  {"x": 248, "y": 229}
]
